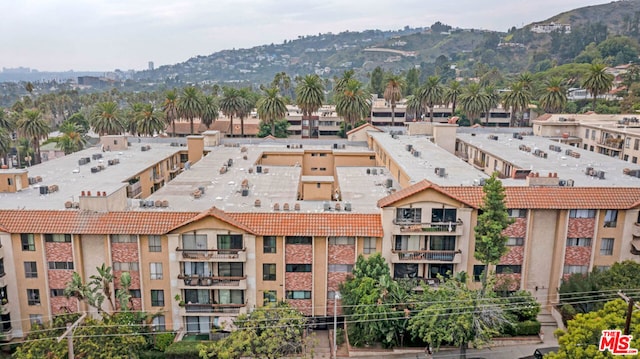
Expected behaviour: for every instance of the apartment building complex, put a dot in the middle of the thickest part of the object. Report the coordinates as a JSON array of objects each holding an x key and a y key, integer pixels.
[{"x": 210, "y": 230}]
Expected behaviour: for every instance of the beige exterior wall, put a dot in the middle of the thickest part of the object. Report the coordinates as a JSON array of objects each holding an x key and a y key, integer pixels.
[
  {"x": 23, "y": 283},
  {"x": 195, "y": 148},
  {"x": 444, "y": 135},
  {"x": 319, "y": 290},
  {"x": 97, "y": 201},
  {"x": 317, "y": 191},
  {"x": 13, "y": 180},
  {"x": 276, "y": 258},
  {"x": 114, "y": 142},
  {"x": 359, "y": 159},
  {"x": 147, "y": 284},
  {"x": 281, "y": 159},
  {"x": 317, "y": 163}
]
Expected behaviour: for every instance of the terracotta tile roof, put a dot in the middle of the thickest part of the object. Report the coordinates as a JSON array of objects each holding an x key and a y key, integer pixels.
[
  {"x": 251, "y": 126},
  {"x": 557, "y": 197},
  {"x": 184, "y": 128},
  {"x": 316, "y": 224},
  {"x": 544, "y": 117},
  {"x": 219, "y": 214},
  {"x": 85, "y": 222},
  {"x": 363, "y": 126},
  {"x": 417, "y": 188}
]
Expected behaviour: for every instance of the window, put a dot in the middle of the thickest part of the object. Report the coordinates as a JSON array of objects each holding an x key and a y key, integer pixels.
[
  {"x": 298, "y": 294},
  {"x": 10, "y": 181},
  {"x": 331, "y": 294},
  {"x": 232, "y": 296},
  {"x": 135, "y": 293},
  {"x": 298, "y": 240},
  {"x": 514, "y": 241},
  {"x": 124, "y": 238},
  {"x": 35, "y": 319},
  {"x": 30, "y": 270},
  {"x": 269, "y": 243},
  {"x": 341, "y": 268},
  {"x": 230, "y": 241},
  {"x": 3, "y": 293},
  {"x": 405, "y": 270},
  {"x": 408, "y": 215},
  {"x": 230, "y": 269},
  {"x": 33, "y": 296},
  {"x": 611, "y": 218},
  {"x": 444, "y": 270},
  {"x": 586, "y": 133},
  {"x": 478, "y": 269},
  {"x": 508, "y": 269},
  {"x": 157, "y": 297},
  {"x": 59, "y": 292},
  {"x": 603, "y": 268},
  {"x": 627, "y": 142},
  {"x": 126, "y": 266},
  {"x": 158, "y": 324},
  {"x": 593, "y": 134},
  {"x": 582, "y": 213},
  {"x": 442, "y": 243},
  {"x": 517, "y": 213},
  {"x": 269, "y": 271},
  {"x": 634, "y": 159},
  {"x": 369, "y": 245},
  {"x": 606, "y": 247},
  {"x": 28, "y": 243},
  {"x": 443, "y": 215},
  {"x": 199, "y": 268},
  {"x": 318, "y": 185},
  {"x": 194, "y": 241},
  {"x": 578, "y": 242},
  {"x": 269, "y": 296},
  {"x": 298, "y": 268},
  {"x": 569, "y": 269},
  {"x": 57, "y": 238},
  {"x": 61, "y": 265},
  {"x": 2, "y": 273},
  {"x": 155, "y": 269},
  {"x": 342, "y": 241},
  {"x": 636, "y": 144},
  {"x": 155, "y": 245}
]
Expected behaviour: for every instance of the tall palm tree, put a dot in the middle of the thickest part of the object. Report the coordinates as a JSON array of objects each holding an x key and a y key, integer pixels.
[
  {"x": 431, "y": 94},
  {"x": 189, "y": 105},
  {"x": 283, "y": 82},
  {"x": 149, "y": 121},
  {"x": 71, "y": 142},
  {"x": 341, "y": 82},
  {"x": 247, "y": 105},
  {"x": 472, "y": 101},
  {"x": 526, "y": 79},
  {"x": 209, "y": 110},
  {"x": 232, "y": 104},
  {"x": 271, "y": 107},
  {"x": 451, "y": 95},
  {"x": 309, "y": 94},
  {"x": 170, "y": 109},
  {"x": 554, "y": 98},
  {"x": 352, "y": 103},
  {"x": 393, "y": 94},
  {"x": 5, "y": 146},
  {"x": 517, "y": 99},
  {"x": 598, "y": 82},
  {"x": 492, "y": 98},
  {"x": 34, "y": 127},
  {"x": 414, "y": 106},
  {"x": 106, "y": 119}
]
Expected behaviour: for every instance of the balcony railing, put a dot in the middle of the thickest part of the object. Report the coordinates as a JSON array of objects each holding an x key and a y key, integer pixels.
[
  {"x": 427, "y": 256},
  {"x": 635, "y": 230},
  {"x": 218, "y": 254},
  {"x": 213, "y": 281},
  {"x": 213, "y": 308},
  {"x": 442, "y": 227}
]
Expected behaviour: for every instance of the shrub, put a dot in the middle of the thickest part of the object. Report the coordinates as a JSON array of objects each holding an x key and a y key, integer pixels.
[
  {"x": 152, "y": 354},
  {"x": 183, "y": 350},
  {"x": 340, "y": 336},
  {"x": 163, "y": 341},
  {"x": 529, "y": 327}
]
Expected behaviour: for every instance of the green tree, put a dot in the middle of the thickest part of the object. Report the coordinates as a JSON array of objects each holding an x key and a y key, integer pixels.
[
  {"x": 517, "y": 99},
  {"x": 309, "y": 94},
  {"x": 71, "y": 141},
  {"x": 170, "y": 109},
  {"x": 210, "y": 110},
  {"x": 232, "y": 104},
  {"x": 352, "y": 103},
  {"x": 376, "y": 81},
  {"x": 598, "y": 81},
  {"x": 106, "y": 119},
  {"x": 431, "y": 94},
  {"x": 249, "y": 103},
  {"x": 582, "y": 337},
  {"x": 5, "y": 146},
  {"x": 412, "y": 80},
  {"x": 341, "y": 82},
  {"x": 393, "y": 93},
  {"x": 148, "y": 121},
  {"x": 283, "y": 82},
  {"x": 492, "y": 98},
  {"x": 281, "y": 127},
  {"x": 451, "y": 94},
  {"x": 490, "y": 242},
  {"x": 190, "y": 105},
  {"x": 32, "y": 126},
  {"x": 78, "y": 119},
  {"x": 271, "y": 107},
  {"x": 554, "y": 97},
  {"x": 472, "y": 101}
]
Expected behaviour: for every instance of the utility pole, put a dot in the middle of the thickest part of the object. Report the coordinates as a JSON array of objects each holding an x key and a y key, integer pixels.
[
  {"x": 69, "y": 334},
  {"x": 627, "y": 323}
]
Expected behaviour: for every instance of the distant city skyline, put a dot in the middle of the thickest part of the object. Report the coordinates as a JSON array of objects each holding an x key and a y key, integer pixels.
[{"x": 103, "y": 35}]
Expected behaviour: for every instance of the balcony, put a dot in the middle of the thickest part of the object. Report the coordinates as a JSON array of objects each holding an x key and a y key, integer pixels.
[
  {"x": 479, "y": 164},
  {"x": 635, "y": 230},
  {"x": 436, "y": 228},
  {"x": 612, "y": 143},
  {"x": 219, "y": 255},
  {"x": 158, "y": 179},
  {"x": 174, "y": 169},
  {"x": 427, "y": 256},
  {"x": 214, "y": 282},
  {"x": 232, "y": 309}
]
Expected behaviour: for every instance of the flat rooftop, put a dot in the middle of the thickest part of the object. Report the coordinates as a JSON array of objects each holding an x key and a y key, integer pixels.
[{"x": 566, "y": 166}]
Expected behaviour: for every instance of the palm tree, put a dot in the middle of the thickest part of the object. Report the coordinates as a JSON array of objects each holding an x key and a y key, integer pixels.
[
  {"x": 247, "y": 105},
  {"x": 106, "y": 119},
  {"x": 232, "y": 103},
  {"x": 5, "y": 146},
  {"x": 209, "y": 110},
  {"x": 393, "y": 94},
  {"x": 431, "y": 94},
  {"x": 189, "y": 105},
  {"x": 555, "y": 96},
  {"x": 283, "y": 82},
  {"x": 414, "y": 106},
  {"x": 472, "y": 101},
  {"x": 451, "y": 95},
  {"x": 526, "y": 79},
  {"x": 148, "y": 121},
  {"x": 598, "y": 82},
  {"x": 170, "y": 109},
  {"x": 492, "y": 98},
  {"x": 341, "y": 82},
  {"x": 352, "y": 103},
  {"x": 271, "y": 107},
  {"x": 71, "y": 142},
  {"x": 517, "y": 99},
  {"x": 33, "y": 127},
  {"x": 309, "y": 94}
]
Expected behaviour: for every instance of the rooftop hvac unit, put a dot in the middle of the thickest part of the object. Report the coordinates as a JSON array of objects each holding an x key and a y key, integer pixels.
[
  {"x": 343, "y": 146},
  {"x": 326, "y": 206},
  {"x": 562, "y": 183},
  {"x": 335, "y": 146},
  {"x": 245, "y": 192},
  {"x": 96, "y": 156},
  {"x": 230, "y": 162},
  {"x": 150, "y": 203},
  {"x": 568, "y": 152},
  {"x": 440, "y": 171},
  {"x": 143, "y": 203},
  {"x": 388, "y": 183},
  {"x": 374, "y": 171},
  {"x": 409, "y": 147},
  {"x": 416, "y": 153},
  {"x": 600, "y": 174},
  {"x": 368, "y": 171},
  {"x": 44, "y": 190},
  {"x": 201, "y": 189},
  {"x": 95, "y": 170},
  {"x": 258, "y": 169},
  {"x": 347, "y": 206},
  {"x": 570, "y": 183},
  {"x": 143, "y": 148}
]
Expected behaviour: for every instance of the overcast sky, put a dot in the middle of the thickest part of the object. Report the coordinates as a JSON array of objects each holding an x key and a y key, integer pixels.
[{"x": 60, "y": 35}]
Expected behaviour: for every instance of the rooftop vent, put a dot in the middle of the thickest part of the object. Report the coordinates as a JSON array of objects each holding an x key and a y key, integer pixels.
[
  {"x": 276, "y": 207},
  {"x": 285, "y": 207},
  {"x": 338, "y": 206},
  {"x": 257, "y": 203},
  {"x": 326, "y": 206},
  {"x": 440, "y": 171},
  {"x": 347, "y": 206},
  {"x": 296, "y": 206}
]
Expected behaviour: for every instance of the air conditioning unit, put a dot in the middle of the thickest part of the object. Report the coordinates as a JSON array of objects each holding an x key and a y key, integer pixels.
[
  {"x": 562, "y": 183},
  {"x": 326, "y": 206},
  {"x": 388, "y": 183},
  {"x": 374, "y": 171},
  {"x": 416, "y": 153},
  {"x": 347, "y": 206},
  {"x": 570, "y": 183}
]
